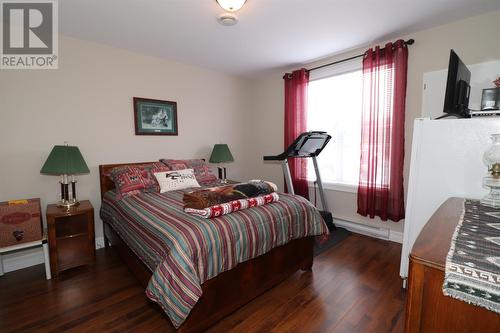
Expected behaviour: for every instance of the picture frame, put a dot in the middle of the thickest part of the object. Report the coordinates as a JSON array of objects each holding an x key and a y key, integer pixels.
[{"x": 155, "y": 117}]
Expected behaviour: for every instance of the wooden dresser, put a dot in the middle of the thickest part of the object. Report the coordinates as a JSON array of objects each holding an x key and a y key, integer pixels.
[{"x": 427, "y": 309}]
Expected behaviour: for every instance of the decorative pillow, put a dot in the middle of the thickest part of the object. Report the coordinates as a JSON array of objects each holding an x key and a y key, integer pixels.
[
  {"x": 202, "y": 172},
  {"x": 147, "y": 172},
  {"x": 128, "y": 181},
  {"x": 233, "y": 206},
  {"x": 176, "y": 180}
]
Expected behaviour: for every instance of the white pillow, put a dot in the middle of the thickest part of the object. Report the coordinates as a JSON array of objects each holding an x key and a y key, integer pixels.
[{"x": 176, "y": 180}]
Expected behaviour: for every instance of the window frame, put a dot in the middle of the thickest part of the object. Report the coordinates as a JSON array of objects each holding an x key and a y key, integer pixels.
[
  {"x": 335, "y": 186},
  {"x": 349, "y": 66}
]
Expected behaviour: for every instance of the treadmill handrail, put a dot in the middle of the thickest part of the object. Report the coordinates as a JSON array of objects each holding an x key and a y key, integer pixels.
[
  {"x": 289, "y": 152},
  {"x": 279, "y": 157}
]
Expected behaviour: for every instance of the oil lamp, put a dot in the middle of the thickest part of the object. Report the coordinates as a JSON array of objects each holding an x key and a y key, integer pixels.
[{"x": 491, "y": 158}]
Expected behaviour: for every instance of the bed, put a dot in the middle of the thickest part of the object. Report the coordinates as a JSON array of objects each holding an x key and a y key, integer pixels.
[{"x": 156, "y": 257}]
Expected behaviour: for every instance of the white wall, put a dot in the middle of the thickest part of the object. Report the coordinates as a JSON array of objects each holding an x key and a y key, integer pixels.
[
  {"x": 88, "y": 102},
  {"x": 475, "y": 39}
]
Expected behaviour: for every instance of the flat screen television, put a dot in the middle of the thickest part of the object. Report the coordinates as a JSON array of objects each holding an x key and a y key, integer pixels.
[{"x": 456, "y": 100}]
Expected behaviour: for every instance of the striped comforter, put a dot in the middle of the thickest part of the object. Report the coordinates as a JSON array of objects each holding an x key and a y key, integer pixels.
[{"x": 183, "y": 250}]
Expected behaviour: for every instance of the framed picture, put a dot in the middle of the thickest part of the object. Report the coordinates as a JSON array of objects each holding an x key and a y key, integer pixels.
[{"x": 155, "y": 117}]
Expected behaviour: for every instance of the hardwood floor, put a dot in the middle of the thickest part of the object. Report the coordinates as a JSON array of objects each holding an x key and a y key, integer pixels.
[{"x": 354, "y": 287}]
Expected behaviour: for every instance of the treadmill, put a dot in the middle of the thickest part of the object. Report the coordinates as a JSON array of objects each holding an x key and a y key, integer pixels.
[{"x": 307, "y": 144}]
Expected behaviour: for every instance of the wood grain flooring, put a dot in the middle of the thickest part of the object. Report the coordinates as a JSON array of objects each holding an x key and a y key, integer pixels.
[{"x": 354, "y": 287}]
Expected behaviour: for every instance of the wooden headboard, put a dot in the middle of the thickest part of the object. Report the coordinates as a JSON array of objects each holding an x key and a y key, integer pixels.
[{"x": 106, "y": 183}]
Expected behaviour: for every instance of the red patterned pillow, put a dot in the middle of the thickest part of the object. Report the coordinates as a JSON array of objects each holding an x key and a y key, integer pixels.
[
  {"x": 147, "y": 172},
  {"x": 202, "y": 172},
  {"x": 128, "y": 181}
]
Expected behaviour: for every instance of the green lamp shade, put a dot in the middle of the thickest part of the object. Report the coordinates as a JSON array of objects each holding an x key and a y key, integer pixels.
[
  {"x": 221, "y": 154},
  {"x": 65, "y": 160}
]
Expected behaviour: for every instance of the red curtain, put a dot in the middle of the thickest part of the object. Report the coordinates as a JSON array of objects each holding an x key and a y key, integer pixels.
[
  {"x": 296, "y": 85},
  {"x": 380, "y": 190}
]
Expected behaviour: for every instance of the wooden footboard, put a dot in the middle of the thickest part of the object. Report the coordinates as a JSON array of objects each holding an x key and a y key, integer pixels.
[{"x": 232, "y": 289}]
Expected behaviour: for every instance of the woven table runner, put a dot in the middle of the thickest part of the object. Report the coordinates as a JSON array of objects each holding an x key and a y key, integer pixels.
[{"x": 473, "y": 262}]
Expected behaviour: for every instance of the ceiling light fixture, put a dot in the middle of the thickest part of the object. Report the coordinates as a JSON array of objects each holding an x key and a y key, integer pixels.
[{"x": 231, "y": 5}]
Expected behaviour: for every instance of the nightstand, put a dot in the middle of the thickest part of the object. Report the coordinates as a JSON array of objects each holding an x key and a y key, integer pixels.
[{"x": 71, "y": 236}]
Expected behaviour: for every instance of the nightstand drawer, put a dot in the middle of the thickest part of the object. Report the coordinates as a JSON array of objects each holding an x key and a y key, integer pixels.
[
  {"x": 73, "y": 251},
  {"x": 71, "y": 236},
  {"x": 71, "y": 225}
]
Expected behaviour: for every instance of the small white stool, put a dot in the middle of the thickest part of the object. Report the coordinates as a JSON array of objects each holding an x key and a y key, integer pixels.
[{"x": 24, "y": 246}]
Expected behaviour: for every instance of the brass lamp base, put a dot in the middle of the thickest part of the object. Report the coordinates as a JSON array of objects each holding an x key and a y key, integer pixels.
[{"x": 67, "y": 204}]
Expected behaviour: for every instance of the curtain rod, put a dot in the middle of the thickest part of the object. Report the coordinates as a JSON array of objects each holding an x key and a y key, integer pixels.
[{"x": 408, "y": 42}]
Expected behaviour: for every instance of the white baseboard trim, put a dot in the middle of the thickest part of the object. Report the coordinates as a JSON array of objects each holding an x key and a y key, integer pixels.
[
  {"x": 26, "y": 258},
  {"x": 396, "y": 236},
  {"x": 99, "y": 242},
  {"x": 376, "y": 232}
]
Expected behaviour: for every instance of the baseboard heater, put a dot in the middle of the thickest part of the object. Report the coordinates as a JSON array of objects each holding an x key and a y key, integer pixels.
[{"x": 358, "y": 228}]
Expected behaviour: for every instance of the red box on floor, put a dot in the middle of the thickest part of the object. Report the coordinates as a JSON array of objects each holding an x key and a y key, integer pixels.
[{"x": 20, "y": 222}]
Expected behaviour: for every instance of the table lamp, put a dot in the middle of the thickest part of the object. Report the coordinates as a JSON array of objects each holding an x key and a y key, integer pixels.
[
  {"x": 221, "y": 154},
  {"x": 65, "y": 161}
]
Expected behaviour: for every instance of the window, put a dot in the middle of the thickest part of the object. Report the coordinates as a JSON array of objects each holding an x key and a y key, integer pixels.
[{"x": 334, "y": 106}]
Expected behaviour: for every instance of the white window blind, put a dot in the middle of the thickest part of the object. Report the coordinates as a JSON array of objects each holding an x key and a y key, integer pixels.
[{"x": 334, "y": 106}]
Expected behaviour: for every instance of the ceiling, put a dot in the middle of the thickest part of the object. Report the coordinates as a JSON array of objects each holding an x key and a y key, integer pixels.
[{"x": 270, "y": 33}]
